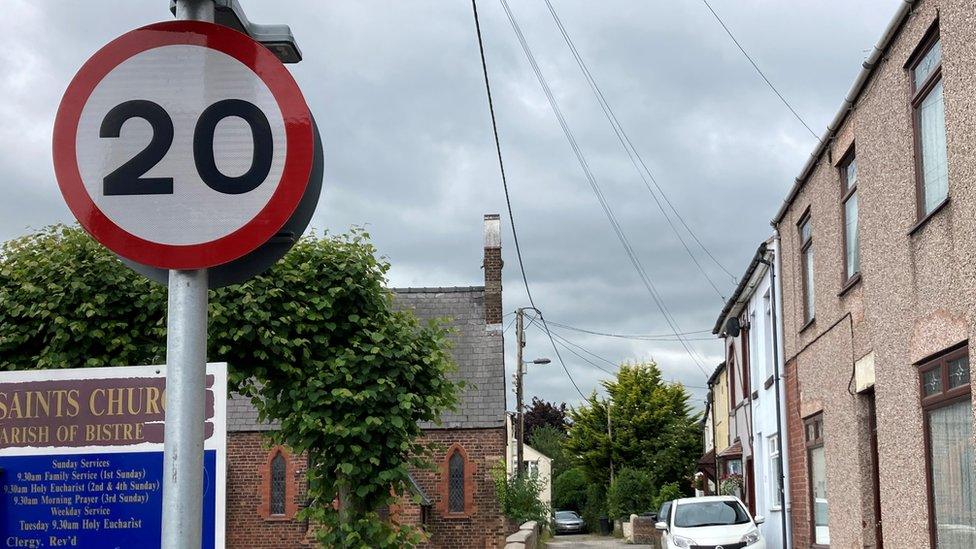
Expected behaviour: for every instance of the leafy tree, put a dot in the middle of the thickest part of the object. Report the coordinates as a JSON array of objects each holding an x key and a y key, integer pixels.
[
  {"x": 542, "y": 412},
  {"x": 518, "y": 496},
  {"x": 652, "y": 424},
  {"x": 569, "y": 490},
  {"x": 550, "y": 441},
  {"x": 315, "y": 341},
  {"x": 595, "y": 507},
  {"x": 632, "y": 492},
  {"x": 668, "y": 492}
]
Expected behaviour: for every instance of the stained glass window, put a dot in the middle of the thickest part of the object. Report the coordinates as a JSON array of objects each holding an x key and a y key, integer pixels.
[
  {"x": 278, "y": 485},
  {"x": 455, "y": 487},
  {"x": 932, "y": 382},
  {"x": 958, "y": 372}
]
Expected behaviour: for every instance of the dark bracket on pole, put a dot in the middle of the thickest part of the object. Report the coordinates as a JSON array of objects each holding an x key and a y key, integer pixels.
[{"x": 277, "y": 38}]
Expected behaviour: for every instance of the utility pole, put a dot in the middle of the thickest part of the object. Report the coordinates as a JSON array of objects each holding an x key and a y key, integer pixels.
[
  {"x": 519, "y": 375},
  {"x": 520, "y": 404},
  {"x": 610, "y": 440}
]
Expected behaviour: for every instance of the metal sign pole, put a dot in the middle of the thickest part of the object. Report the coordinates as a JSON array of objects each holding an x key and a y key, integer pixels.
[{"x": 186, "y": 378}]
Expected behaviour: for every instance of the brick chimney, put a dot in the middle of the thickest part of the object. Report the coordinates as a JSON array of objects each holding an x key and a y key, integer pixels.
[{"x": 493, "y": 270}]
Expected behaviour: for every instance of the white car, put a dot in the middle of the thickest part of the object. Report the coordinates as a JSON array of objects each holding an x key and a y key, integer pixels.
[{"x": 710, "y": 522}]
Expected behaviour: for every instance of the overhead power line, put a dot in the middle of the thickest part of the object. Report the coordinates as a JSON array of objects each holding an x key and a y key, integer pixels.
[
  {"x": 508, "y": 201},
  {"x": 638, "y": 161},
  {"x": 568, "y": 345},
  {"x": 758, "y": 70},
  {"x": 638, "y": 337},
  {"x": 594, "y": 185}
]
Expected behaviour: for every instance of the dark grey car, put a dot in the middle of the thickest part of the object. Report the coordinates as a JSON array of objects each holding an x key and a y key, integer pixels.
[{"x": 568, "y": 522}]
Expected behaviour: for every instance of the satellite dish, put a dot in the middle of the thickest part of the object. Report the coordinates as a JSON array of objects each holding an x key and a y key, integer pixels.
[{"x": 732, "y": 327}]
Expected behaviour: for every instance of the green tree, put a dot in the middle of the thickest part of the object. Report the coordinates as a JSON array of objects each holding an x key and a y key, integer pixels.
[
  {"x": 653, "y": 428},
  {"x": 632, "y": 492},
  {"x": 518, "y": 496},
  {"x": 668, "y": 492},
  {"x": 550, "y": 442},
  {"x": 595, "y": 507},
  {"x": 316, "y": 342},
  {"x": 569, "y": 490}
]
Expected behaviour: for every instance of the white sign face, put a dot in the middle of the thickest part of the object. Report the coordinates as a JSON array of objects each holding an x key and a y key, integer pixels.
[
  {"x": 183, "y": 145},
  {"x": 183, "y": 81}
]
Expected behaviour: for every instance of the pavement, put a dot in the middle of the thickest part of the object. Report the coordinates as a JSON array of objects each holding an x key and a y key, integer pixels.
[{"x": 592, "y": 541}]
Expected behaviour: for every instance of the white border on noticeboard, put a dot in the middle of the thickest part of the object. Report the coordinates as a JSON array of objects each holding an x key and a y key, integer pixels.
[{"x": 217, "y": 441}]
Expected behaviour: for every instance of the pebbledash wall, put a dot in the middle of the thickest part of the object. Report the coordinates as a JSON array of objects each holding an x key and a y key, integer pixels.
[
  {"x": 475, "y": 432},
  {"x": 875, "y": 334}
]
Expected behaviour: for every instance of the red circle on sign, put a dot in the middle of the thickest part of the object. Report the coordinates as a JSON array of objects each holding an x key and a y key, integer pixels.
[{"x": 257, "y": 231}]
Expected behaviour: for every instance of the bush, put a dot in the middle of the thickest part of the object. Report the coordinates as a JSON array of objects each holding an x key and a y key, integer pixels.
[
  {"x": 518, "y": 496},
  {"x": 668, "y": 492},
  {"x": 595, "y": 507},
  {"x": 569, "y": 490},
  {"x": 631, "y": 492}
]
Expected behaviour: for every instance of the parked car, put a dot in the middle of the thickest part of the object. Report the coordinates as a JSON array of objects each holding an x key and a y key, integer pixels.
[
  {"x": 710, "y": 521},
  {"x": 569, "y": 522}
]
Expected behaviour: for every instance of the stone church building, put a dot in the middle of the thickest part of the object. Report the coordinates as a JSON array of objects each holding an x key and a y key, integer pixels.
[{"x": 266, "y": 485}]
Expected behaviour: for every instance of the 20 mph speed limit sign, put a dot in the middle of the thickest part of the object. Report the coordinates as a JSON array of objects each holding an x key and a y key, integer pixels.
[{"x": 183, "y": 145}]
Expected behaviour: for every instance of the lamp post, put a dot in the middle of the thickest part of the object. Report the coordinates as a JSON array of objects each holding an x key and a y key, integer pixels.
[{"x": 519, "y": 374}]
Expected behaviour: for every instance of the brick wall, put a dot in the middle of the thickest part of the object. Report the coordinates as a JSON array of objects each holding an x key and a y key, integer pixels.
[
  {"x": 796, "y": 449},
  {"x": 248, "y": 523},
  {"x": 481, "y": 525}
]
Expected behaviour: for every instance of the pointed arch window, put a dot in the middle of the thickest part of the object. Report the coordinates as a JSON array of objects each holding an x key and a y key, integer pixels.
[
  {"x": 278, "y": 485},
  {"x": 455, "y": 483}
]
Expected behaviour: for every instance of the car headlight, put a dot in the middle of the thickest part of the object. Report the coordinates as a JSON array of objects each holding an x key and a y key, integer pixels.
[
  {"x": 683, "y": 542},
  {"x": 751, "y": 537}
]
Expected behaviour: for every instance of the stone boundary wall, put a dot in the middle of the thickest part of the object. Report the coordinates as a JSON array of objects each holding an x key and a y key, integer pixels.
[{"x": 527, "y": 537}]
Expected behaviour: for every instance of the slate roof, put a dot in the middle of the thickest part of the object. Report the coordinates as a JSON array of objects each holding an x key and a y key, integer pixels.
[{"x": 478, "y": 351}]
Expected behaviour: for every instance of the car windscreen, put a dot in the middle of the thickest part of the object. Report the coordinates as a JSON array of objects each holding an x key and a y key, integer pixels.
[
  {"x": 709, "y": 513},
  {"x": 566, "y": 515}
]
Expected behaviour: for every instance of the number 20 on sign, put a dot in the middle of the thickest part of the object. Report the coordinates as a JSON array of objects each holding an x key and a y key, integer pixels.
[{"x": 183, "y": 145}]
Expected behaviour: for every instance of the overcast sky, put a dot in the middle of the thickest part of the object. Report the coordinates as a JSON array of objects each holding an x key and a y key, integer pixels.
[{"x": 398, "y": 92}]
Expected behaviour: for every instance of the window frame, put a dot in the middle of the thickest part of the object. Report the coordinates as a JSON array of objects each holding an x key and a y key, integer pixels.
[
  {"x": 444, "y": 484},
  {"x": 847, "y": 191},
  {"x": 455, "y": 457},
  {"x": 772, "y": 452},
  {"x": 272, "y": 512},
  {"x": 918, "y": 94},
  {"x": 815, "y": 421},
  {"x": 947, "y": 397},
  {"x": 809, "y": 313}
]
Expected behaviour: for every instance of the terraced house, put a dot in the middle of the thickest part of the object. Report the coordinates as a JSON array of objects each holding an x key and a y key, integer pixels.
[{"x": 878, "y": 270}]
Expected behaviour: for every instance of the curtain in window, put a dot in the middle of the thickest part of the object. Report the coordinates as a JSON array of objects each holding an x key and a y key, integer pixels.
[
  {"x": 953, "y": 479},
  {"x": 808, "y": 276},
  {"x": 850, "y": 235},
  {"x": 818, "y": 481},
  {"x": 935, "y": 173},
  {"x": 455, "y": 486},
  {"x": 277, "y": 506}
]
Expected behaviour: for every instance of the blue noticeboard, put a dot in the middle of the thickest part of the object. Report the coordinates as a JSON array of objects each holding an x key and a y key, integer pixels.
[{"x": 91, "y": 501}]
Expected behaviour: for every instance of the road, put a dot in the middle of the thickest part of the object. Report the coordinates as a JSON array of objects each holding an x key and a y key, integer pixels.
[{"x": 593, "y": 542}]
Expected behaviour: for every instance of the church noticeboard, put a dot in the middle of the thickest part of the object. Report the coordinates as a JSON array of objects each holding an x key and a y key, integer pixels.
[{"x": 81, "y": 457}]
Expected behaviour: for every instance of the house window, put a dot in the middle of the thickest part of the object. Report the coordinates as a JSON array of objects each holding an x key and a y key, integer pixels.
[
  {"x": 806, "y": 263},
  {"x": 277, "y": 488},
  {"x": 817, "y": 477},
  {"x": 776, "y": 482},
  {"x": 932, "y": 174},
  {"x": 852, "y": 244},
  {"x": 455, "y": 483},
  {"x": 947, "y": 402}
]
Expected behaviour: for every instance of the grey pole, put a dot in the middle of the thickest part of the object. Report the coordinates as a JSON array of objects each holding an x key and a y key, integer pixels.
[
  {"x": 520, "y": 405},
  {"x": 186, "y": 376}
]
